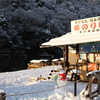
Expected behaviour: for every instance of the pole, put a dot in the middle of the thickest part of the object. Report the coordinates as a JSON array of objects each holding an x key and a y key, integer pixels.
[
  {"x": 75, "y": 85},
  {"x": 75, "y": 79},
  {"x": 98, "y": 77},
  {"x": 66, "y": 62},
  {"x": 90, "y": 86},
  {"x": 77, "y": 51},
  {"x": 65, "y": 56}
]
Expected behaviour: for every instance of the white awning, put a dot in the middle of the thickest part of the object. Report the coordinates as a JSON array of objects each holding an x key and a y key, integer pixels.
[{"x": 69, "y": 39}]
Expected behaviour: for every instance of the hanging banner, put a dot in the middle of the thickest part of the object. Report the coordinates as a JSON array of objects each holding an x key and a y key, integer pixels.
[{"x": 86, "y": 25}]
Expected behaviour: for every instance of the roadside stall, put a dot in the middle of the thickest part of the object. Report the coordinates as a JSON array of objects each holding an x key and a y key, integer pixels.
[{"x": 82, "y": 32}]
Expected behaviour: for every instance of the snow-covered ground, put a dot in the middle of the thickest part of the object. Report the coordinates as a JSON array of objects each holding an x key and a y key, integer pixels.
[{"x": 18, "y": 82}]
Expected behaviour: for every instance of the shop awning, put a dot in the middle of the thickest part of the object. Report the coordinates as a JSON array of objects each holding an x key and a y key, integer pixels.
[{"x": 69, "y": 39}]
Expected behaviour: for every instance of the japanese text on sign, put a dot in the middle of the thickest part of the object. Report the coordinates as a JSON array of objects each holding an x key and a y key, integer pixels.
[{"x": 86, "y": 25}]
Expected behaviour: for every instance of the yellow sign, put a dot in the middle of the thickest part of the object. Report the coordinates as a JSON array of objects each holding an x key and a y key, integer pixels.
[{"x": 85, "y": 25}]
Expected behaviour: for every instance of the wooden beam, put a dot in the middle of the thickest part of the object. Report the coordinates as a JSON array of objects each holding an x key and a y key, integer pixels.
[
  {"x": 65, "y": 56},
  {"x": 60, "y": 47},
  {"x": 75, "y": 83},
  {"x": 77, "y": 52},
  {"x": 90, "y": 86},
  {"x": 98, "y": 77}
]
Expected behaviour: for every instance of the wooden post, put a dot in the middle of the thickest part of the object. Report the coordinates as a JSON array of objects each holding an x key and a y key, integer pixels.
[
  {"x": 94, "y": 57},
  {"x": 98, "y": 78},
  {"x": 90, "y": 86},
  {"x": 75, "y": 85},
  {"x": 77, "y": 52},
  {"x": 64, "y": 58},
  {"x": 65, "y": 55},
  {"x": 3, "y": 96},
  {"x": 91, "y": 75},
  {"x": 75, "y": 80}
]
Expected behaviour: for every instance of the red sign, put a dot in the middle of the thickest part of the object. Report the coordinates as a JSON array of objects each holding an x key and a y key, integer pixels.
[
  {"x": 86, "y": 25},
  {"x": 93, "y": 25},
  {"x": 92, "y": 67},
  {"x": 76, "y": 27}
]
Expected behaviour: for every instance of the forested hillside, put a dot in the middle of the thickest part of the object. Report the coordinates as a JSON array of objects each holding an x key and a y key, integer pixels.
[{"x": 26, "y": 24}]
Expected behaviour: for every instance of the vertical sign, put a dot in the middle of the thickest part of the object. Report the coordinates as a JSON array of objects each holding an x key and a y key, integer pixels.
[{"x": 85, "y": 25}]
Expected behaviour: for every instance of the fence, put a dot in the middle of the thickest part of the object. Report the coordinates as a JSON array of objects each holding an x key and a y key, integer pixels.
[{"x": 3, "y": 94}]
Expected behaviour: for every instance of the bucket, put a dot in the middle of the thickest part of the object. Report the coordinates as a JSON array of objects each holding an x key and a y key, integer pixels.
[{"x": 62, "y": 75}]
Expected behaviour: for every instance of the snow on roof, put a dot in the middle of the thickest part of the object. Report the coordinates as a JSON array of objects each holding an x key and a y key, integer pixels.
[
  {"x": 69, "y": 39},
  {"x": 38, "y": 61},
  {"x": 35, "y": 61},
  {"x": 44, "y": 60},
  {"x": 1, "y": 91},
  {"x": 61, "y": 58},
  {"x": 55, "y": 59}
]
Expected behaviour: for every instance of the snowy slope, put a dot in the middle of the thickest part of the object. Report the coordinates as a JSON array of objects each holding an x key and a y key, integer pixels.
[{"x": 18, "y": 82}]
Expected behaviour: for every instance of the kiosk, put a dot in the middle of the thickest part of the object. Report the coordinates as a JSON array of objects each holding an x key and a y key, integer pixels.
[{"x": 82, "y": 31}]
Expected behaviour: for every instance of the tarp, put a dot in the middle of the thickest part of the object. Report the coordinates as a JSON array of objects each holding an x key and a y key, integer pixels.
[{"x": 69, "y": 39}]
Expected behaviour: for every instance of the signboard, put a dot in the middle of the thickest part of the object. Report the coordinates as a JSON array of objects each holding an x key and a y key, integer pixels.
[
  {"x": 92, "y": 67},
  {"x": 85, "y": 25}
]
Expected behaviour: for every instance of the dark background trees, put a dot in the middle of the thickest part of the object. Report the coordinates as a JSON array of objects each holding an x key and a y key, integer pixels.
[{"x": 26, "y": 24}]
